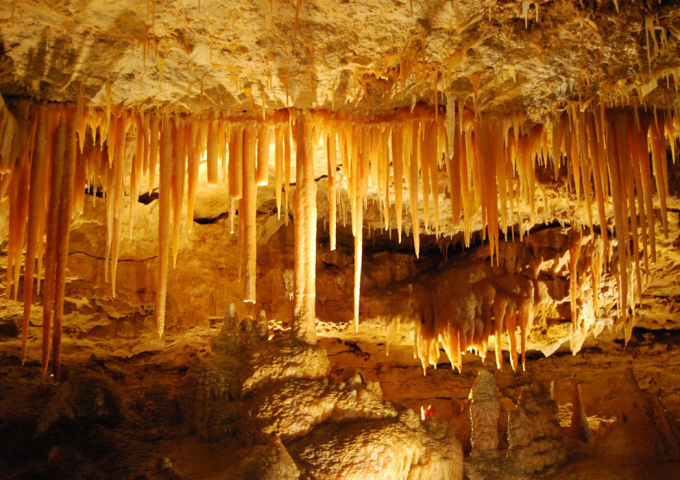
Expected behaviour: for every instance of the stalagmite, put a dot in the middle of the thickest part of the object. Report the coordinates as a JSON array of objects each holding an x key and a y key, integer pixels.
[
  {"x": 304, "y": 316},
  {"x": 248, "y": 215},
  {"x": 485, "y": 409},
  {"x": 579, "y": 428}
]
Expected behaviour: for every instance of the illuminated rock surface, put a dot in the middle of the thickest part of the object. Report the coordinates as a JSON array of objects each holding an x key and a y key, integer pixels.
[{"x": 404, "y": 208}]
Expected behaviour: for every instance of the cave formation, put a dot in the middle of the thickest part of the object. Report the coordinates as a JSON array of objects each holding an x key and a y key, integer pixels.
[{"x": 423, "y": 239}]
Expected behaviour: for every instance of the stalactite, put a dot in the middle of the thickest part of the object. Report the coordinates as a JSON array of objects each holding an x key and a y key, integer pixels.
[
  {"x": 412, "y": 150},
  {"x": 359, "y": 234},
  {"x": 278, "y": 167},
  {"x": 55, "y": 196},
  {"x": 398, "y": 174},
  {"x": 18, "y": 190},
  {"x": 195, "y": 139},
  {"x": 248, "y": 216},
  {"x": 118, "y": 187},
  {"x": 63, "y": 234},
  {"x": 332, "y": 196},
  {"x": 153, "y": 150},
  {"x": 385, "y": 177},
  {"x": 164, "y": 218},
  {"x": 574, "y": 254},
  {"x": 263, "y": 145},
  {"x": 430, "y": 151},
  {"x": 178, "y": 178},
  {"x": 137, "y": 167},
  {"x": 286, "y": 170},
  {"x": 304, "y": 317},
  {"x": 235, "y": 162},
  {"x": 212, "y": 151},
  {"x": 36, "y": 204}
]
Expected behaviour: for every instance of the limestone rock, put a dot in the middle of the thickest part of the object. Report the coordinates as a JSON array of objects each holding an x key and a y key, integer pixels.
[
  {"x": 534, "y": 434},
  {"x": 9, "y": 329},
  {"x": 643, "y": 429},
  {"x": 267, "y": 462},
  {"x": 485, "y": 407},
  {"x": 84, "y": 400},
  {"x": 292, "y": 408},
  {"x": 394, "y": 448}
]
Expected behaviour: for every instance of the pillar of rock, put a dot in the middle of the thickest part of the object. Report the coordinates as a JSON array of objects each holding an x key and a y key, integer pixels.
[{"x": 485, "y": 407}]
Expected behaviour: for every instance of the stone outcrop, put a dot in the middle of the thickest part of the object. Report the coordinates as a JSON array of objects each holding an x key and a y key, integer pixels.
[
  {"x": 535, "y": 437},
  {"x": 253, "y": 391},
  {"x": 394, "y": 448},
  {"x": 84, "y": 400},
  {"x": 642, "y": 428},
  {"x": 485, "y": 408},
  {"x": 267, "y": 462}
]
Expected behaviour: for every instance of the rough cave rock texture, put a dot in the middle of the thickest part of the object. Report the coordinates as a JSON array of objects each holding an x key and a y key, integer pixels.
[
  {"x": 190, "y": 54},
  {"x": 337, "y": 430}
]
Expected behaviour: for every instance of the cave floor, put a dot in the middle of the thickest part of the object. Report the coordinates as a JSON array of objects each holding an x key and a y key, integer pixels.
[{"x": 149, "y": 439}]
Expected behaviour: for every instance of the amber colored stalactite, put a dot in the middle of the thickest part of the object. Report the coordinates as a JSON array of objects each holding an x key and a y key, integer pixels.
[
  {"x": 249, "y": 215},
  {"x": 304, "y": 317}
]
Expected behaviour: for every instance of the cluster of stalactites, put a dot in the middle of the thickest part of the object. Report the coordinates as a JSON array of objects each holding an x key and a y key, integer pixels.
[
  {"x": 490, "y": 161},
  {"x": 469, "y": 308},
  {"x": 55, "y": 155},
  {"x": 617, "y": 159}
]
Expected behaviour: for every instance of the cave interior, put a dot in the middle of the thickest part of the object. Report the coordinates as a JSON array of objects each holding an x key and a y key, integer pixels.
[{"x": 322, "y": 239}]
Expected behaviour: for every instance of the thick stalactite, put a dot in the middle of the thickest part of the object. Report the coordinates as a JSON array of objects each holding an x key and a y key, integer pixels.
[{"x": 304, "y": 317}]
